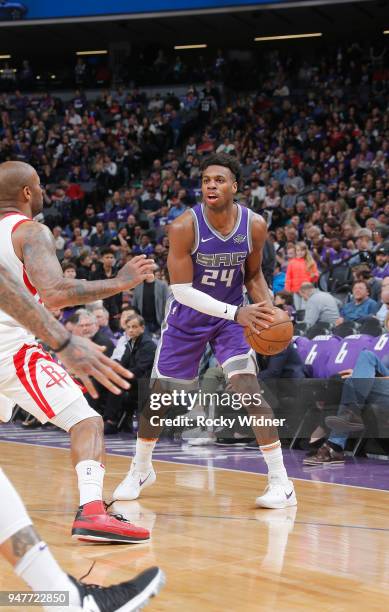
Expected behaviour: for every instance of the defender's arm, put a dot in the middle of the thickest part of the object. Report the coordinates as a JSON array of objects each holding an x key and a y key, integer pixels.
[{"x": 34, "y": 245}]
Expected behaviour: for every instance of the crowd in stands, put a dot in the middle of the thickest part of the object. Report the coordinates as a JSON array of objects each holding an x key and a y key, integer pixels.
[{"x": 313, "y": 142}]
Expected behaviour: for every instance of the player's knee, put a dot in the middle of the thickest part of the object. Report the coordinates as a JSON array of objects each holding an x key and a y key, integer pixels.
[
  {"x": 91, "y": 426},
  {"x": 244, "y": 383}
]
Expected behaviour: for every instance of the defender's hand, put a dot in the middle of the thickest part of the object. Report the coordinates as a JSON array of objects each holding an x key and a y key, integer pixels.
[
  {"x": 85, "y": 359},
  {"x": 137, "y": 270}
]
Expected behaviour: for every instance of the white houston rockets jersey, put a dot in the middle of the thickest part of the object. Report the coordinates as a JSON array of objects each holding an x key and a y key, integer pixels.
[{"x": 12, "y": 334}]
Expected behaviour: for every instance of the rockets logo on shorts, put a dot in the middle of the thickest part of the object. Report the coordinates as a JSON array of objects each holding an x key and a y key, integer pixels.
[{"x": 56, "y": 376}]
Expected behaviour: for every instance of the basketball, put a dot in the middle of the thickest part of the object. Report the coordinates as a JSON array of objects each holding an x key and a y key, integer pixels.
[{"x": 275, "y": 338}]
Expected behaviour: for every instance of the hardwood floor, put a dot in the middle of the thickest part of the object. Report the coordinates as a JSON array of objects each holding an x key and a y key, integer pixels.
[{"x": 219, "y": 553}]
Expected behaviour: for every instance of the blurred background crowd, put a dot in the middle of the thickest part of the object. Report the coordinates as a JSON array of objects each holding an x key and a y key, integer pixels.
[{"x": 120, "y": 164}]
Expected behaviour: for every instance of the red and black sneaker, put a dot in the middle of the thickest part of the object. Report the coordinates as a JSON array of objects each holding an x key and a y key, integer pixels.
[{"x": 94, "y": 524}]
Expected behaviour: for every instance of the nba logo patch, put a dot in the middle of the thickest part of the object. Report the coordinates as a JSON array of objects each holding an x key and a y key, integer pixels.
[{"x": 239, "y": 238}]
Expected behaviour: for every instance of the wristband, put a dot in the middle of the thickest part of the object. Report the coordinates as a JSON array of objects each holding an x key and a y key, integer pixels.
[
  {"x": 63, "y": 345},
  {"x": 236, "y": 313}
]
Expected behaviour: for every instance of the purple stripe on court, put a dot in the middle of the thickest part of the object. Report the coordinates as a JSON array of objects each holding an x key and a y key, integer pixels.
[{"x": 358, "y": 472}]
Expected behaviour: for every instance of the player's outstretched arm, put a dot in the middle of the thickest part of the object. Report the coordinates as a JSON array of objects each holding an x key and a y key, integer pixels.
[
  {"x": 81, "y": 356},
  {"x": 34, "y": 245}
]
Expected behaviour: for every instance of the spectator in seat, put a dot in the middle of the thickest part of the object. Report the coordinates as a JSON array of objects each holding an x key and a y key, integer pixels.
[
  {"x": 279, "y": 276},
  {"x": 361, "y": 387},
  {"x": 123, "y": 338},
  {"x": 362, "y": 272},
  {"x": 138, "y": 357},
  {"x": 149, "y": 298},
  {"x": 383, "y": 312},
  {"x": 301, "y": 269},
  {"x": 381, "y": 268},
  {"x": 101, "y": 237},
  {"x": 102, "y": 318},
  {"x": 106, "y": 269},
  {"x": 360, "y": 306},
  {"x": 84, "y": 269},
  {"x": 88, "y": 327},
  {"x": 284, "y": 300},
  {"x": 321, "y": 307}
]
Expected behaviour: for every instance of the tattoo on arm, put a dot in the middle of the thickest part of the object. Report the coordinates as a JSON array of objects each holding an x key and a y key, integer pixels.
[
  {"x": 20, "y": 305},
  {"x": 23, "y": 540},
  {"x": 45, "y": 273}
]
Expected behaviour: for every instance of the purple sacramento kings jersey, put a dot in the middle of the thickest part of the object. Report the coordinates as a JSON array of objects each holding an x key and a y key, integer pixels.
[
  {"x": 380, "y": 347},
  {"x": 218, "y": 268},
  {"x": 345, "y": 356},
  {"x": 218, "y": 271},
  {"x": 317, "y": 358},
  {"x": 303, "y": 346}
]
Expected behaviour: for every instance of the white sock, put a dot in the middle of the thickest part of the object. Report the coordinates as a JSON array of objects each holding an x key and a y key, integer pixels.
[
  {"x": 143, "y": 453},
  {"x": 41, "y": 572},
  {"x": 90, "y": 481},
  {"x": 272, "y": 453}
]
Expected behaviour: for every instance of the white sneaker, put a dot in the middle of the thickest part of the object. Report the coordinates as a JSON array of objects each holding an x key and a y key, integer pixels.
[
  {"x": 134, "y": 483},
  {"x": 277, "y": 496}
]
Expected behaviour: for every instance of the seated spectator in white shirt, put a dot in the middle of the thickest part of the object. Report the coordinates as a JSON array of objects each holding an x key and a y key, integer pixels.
[{"x": 383, "y": 312}]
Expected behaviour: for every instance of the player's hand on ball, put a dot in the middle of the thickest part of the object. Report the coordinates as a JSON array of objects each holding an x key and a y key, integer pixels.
[
  {"x": 256, "y": 316},
  {"x": 137, "y": 270}
]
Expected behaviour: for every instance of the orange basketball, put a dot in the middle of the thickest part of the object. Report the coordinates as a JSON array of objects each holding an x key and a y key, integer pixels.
[{"x": 275, "y": 338}]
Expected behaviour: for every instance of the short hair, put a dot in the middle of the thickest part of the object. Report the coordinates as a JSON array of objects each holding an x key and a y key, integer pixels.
[
  {"x": 73, "y": 319},
  {"x": 225, "y": 160},
  {"x": 98, "y": 307},
  {"x": 83, "y": 312},
  {"x": 128, "y": 307},
  {"x": 69, "y": 266},
  {"x": 106, "y": 251},
  {"x": 84, "y": 255},
  {"x": 307, "y": 285},
  {"x": 139, "y": 318},
  {"x": 362, "y": 282},
  {"x": 285, "y": 295}
]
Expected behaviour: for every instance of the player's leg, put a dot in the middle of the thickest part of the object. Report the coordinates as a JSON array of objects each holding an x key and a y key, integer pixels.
[
  {"x": 44, "y": 389},
  {"x": 33, "y": 562},
  {"x": 175, "y": 367},
  {"x": 6, "y": 408},
  {"x": 239, "y": 366}
]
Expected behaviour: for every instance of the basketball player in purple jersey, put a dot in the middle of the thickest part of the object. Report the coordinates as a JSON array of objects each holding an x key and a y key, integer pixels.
[{"x": 215, "y": 250}]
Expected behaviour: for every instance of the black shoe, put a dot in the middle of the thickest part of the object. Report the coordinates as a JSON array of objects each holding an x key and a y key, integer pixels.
[
  {"x": 347, "y": 421},
  {"x": 110, "y": 428},
  {"x": 253, "y": 445},
  {"x": 313, "y": 447},
  {"x": 126, "y": 596},
  {"x": 325, "y": 456}
]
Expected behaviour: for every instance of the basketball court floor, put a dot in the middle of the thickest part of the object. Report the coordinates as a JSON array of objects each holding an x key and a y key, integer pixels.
[{"x": 219, "y": 553}]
